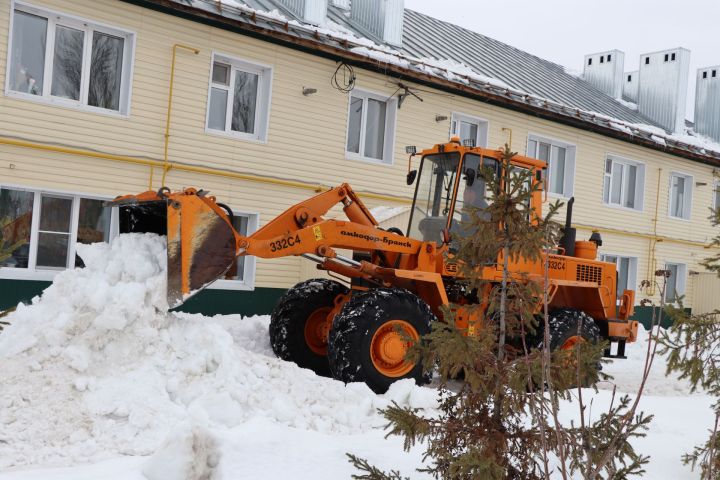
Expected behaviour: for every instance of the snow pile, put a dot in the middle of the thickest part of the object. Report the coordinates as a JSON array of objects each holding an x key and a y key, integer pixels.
[{"x": 97, "y": 367}]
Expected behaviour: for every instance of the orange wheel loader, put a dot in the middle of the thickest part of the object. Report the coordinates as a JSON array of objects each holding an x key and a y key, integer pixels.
[{"x": 395, "y": 283}]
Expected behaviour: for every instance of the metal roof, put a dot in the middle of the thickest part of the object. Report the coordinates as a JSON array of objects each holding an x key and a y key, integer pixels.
[
  {"x": 528, "y": 83},
  {"x": 428, "y": 37}
]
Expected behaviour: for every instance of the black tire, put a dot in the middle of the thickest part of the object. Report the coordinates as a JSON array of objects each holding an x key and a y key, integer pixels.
[
  {"x": 352, "y": 332},
  {"x": 290, "y": 315},
  {"x": 564, "y": 324}
]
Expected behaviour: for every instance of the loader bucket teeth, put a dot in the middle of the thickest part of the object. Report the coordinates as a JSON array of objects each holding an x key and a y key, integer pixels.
[{"x": 201, "y": 243}]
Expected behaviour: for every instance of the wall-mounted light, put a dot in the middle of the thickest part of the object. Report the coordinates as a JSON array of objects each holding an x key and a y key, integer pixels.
[
  {"x": 700, "y": 184},
  {"x": 309, "y": 91},
  {"x": 440, "y": 118}
]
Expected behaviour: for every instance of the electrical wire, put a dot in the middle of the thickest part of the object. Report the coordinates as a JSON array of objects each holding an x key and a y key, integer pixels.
[{"x": 344, "y": 78}]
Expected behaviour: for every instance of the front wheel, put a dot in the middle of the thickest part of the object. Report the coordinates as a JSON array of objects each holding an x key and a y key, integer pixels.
[
  {"x": 300, "y": 322},
  {"x": 371, "y": 335}
]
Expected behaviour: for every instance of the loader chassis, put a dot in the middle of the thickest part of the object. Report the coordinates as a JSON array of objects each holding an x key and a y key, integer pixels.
[{"x": 399, "y": 281}]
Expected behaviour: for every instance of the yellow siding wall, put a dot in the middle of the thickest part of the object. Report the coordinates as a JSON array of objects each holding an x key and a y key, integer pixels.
[{"x": 306, "y": 139}]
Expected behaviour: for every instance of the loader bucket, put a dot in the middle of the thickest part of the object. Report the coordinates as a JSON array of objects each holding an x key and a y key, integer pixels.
[{"x": 201, "y": 242}]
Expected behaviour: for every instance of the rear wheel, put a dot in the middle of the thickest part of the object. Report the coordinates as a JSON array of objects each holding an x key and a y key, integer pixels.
[
  {"x": 568, "y": 329},
  {"x": 299, "y": 323},
  {"x": 371, "y": 334}
]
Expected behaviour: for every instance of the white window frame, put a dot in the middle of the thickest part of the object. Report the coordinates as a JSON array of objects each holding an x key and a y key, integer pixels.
[
  {"x": 262, "y": 102},
  {"x": 632, "y": 269},
  {"x": 689, "y": 187},
  {"x": 716, "y": 195},
  {"x": 639, "y": 186},
  {"x": 48, "y": 273},
  {"x": 570, "y": 160},
  {"x": 390, "y": 126},
  {"x": 482, "y": 124},
  {"x": 681, "y": 281},
  {"x": 248, "y": 281},
  {"x": 88, "y": 27}
]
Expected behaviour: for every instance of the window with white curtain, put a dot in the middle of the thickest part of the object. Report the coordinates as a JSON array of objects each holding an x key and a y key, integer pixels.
[
  {"x": 560, "y": 157},
  {"x": 469, "y": 128},
  {"x": 239, "y": 99},
  {"x": 675, "y": 286},
  {"x": 69, "y": 61},
  {"x": 626, "y": 271},
  {"x": 624, "y": 183},
  {"x": 371, "y": 127},
  {"x": 680, "y": 198},
  {"x": 39, "y": 230}
]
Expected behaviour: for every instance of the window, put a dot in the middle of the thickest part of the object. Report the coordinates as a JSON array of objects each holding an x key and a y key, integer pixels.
[
  {"x": 602, "y": 59},
  {"x": 241, "y": 275},
  {"x": 239, "y": 98},
  {"x": 647, "y": 60},
  {"x": 69, "y": 61},
  {"x": 629, "y": 78},
  {"x": 40, "y": 230},
  {"x": 609, "y": 58},
  {"x": 624, "y": 183},
  {"x": 716, "y": 195},
  {"x": 371, "y": 127},
  {"x": 626, "y": 271},
  {"x": 680, "y": 196},
  {"x": 589, "y": 61},
  {"x": 675, "y": 286},
  {"x": 667, "y": 57},
  {"x": 469, "y": 128},
  {"x": 560, "y": 157}
]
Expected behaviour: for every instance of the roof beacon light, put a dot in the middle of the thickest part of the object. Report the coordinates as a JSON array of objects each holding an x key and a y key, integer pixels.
[{"x": 469, "y": 142}]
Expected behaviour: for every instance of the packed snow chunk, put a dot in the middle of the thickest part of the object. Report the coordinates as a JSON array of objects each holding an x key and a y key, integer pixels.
[{"x": 189, "y": 453}]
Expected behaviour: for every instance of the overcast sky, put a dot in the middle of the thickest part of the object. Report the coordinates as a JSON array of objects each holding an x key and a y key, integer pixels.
[{"x": 563, "y": 31}]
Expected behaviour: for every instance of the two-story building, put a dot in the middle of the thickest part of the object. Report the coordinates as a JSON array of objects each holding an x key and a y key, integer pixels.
[{"x": 265, "y": 102}]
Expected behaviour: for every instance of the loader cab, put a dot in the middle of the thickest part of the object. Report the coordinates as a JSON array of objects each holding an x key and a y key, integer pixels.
[{"x": 450, "y": 182}]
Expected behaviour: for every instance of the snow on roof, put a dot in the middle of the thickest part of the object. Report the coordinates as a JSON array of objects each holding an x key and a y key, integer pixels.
[{"x": 460, "y": 73}]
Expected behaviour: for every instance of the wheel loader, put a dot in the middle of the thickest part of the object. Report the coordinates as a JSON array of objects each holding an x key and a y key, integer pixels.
[{"x": 357, "y": 328}]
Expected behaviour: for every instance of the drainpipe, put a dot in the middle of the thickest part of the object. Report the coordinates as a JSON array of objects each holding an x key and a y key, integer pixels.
[{"x": 166, "y": 162}]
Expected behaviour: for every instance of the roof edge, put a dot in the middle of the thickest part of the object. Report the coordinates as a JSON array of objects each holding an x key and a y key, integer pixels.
[{"x": 512, "y": 100}]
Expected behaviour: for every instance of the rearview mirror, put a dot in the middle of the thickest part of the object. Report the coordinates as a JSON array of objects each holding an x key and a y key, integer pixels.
[
  {"x": 411, "y": 177},
  {"x": 469, "y": 177}
]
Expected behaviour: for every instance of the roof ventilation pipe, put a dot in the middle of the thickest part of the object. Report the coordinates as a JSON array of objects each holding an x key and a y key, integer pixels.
[
  {"x": 663, "y": 86},
  {"x": 707, "y": 102},
  {"x": 630, "y": 86},
  {"x": 604, "y": 71},
  {"x": 310, "y": 11},
  {"x": 383, "y": 19}
]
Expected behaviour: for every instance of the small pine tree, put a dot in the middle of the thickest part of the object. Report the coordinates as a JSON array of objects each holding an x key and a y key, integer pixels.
[
  {"x": 495, "y": 424},
  {"x": 691, "y": 346}
]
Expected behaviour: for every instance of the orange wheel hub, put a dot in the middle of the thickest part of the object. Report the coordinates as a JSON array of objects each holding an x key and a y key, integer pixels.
[
  {"x": 317, "y": 328},
  {"x": 389, "y": 346}
]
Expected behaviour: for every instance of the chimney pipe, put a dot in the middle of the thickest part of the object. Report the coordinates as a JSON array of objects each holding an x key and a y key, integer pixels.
[
  {"x": 662, "y": 87},
  {"x": 707, "y": 102},
  {"x": 604, "y": 71}
]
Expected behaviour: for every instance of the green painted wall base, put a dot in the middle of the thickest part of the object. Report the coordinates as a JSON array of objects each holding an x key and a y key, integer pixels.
[
  {"x": 217, "y": 302},
  {"x": 261, "y": 301}
]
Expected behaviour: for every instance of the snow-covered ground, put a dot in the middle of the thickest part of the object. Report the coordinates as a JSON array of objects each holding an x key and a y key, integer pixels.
[{"x": 97, "y": 380}]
